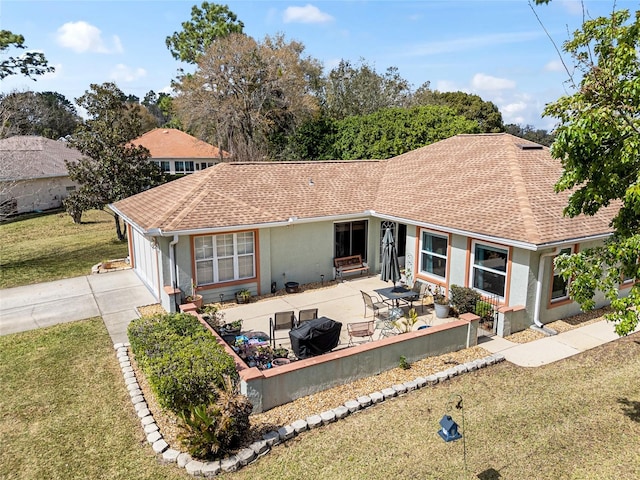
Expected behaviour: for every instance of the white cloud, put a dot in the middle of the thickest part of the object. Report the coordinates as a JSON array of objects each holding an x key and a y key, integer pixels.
[
  {"x": 466, "y": 44},
  {"x": 554, "y": 66},
  {"x": 513, "y": 108},
  {"x": 168, "y": 90},
  {"x": 574, "y": 7},
  {"x": 83, "y": 37},
  {"x": 123, "y": 73},
  {"x": 306, "y": 14},
  {"x": 484, "y": 83}
]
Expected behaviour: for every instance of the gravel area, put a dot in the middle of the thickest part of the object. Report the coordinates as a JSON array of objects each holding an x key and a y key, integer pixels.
[{"x": 564, "y": 325}]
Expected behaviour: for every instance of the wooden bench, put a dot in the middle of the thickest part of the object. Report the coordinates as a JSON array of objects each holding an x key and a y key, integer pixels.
[{"x": 350, "y": 264}]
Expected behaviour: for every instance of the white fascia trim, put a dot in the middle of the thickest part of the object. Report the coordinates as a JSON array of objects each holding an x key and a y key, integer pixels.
[
  {"x": 253, "y": 226},
  {"x": 499, "y": 240},
  {"x": 465, "y": 233}
]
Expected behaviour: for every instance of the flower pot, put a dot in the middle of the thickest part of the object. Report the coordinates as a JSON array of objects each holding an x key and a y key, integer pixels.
[
  {"x": 196, "y": 300},
  {"x": 442, "y": 311}
]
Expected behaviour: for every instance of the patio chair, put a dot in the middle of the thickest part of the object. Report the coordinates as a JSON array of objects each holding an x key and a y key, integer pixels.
[
  {"x": 374, "y": 303},
  {"x": 360, "y": 330},
  {"x": 280, "y": 321},
  {"x": 422, "y": 294},
  {"x": 306, "y": 315}
]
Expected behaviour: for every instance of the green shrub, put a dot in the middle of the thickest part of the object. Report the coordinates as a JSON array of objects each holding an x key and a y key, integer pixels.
[
  {"x": 183, "y": 362},
  {"x": 484, "y": 310},
  {"x": 464, "y": 299},
  {"x": 213, "y": 429}
]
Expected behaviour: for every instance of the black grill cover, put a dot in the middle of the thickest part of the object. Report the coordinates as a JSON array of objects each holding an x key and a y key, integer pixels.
[{"x": 315, "y": 337}]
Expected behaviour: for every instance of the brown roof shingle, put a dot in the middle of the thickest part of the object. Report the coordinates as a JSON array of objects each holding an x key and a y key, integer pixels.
[
  {"x": 484, "y": 184},
  {"x": 173, "y": 143}
]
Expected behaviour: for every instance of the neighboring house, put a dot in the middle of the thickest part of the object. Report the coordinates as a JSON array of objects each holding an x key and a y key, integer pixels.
[
  {"x": 472, "y": 210},
  {"x": 33, "y": 175},
  {"x": 179, "y": 153}
]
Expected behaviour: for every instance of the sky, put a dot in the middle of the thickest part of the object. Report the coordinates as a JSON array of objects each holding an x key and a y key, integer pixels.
[{"x": 498, "y": 50}]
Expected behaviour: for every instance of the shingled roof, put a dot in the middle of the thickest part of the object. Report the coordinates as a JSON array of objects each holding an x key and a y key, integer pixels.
[
  {"x": 25, "y": 157},
  {"x": 173, "y": 143},
  {"x": 496, "y": 185}
]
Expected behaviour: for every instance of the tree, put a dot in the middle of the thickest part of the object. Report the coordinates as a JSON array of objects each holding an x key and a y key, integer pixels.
[
  {"x": 529, "y": 132},
  {"x": 486, "y": 114},
  {"x": 360, "y": 90},
  {"x": 29, "y": 64},
  {"x": 394, "y": 131},
  {"x": 207, "y": 24},
  {"x": 113, "y": 168},
  {"x": 598, "y": 143},
  {"x": 47, "y": 114},
  {"x": 244, "y": 91}
]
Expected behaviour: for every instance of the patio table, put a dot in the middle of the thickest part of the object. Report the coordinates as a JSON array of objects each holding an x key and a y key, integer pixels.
[{"x": 397, "y": 294}]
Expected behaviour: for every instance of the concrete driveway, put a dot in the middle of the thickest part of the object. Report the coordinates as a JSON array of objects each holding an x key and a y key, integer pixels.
[{"x": 113, "y": 296}]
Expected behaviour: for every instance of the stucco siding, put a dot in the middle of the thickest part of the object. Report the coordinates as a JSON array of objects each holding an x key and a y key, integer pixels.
[
  {"x": 37, "y": 194},
  {"x": 301, "y": 253}
]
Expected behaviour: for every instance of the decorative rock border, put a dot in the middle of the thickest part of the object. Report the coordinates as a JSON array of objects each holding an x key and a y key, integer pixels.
[{"x": 247, "y": 455}]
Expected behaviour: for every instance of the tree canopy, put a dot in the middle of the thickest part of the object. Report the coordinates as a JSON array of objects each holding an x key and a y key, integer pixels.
[
  {"x": 113, "y": 168},
  {"x": 598, "y": 143},
  {"x": 47, "y": 114},
  {"x": 244, "y": 91},
  {"x": 207, "y": 24},
  {"x": 29, "y": 64}
]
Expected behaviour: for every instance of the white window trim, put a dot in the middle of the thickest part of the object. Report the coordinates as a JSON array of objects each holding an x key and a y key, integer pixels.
[
  {"x": 214, "y": 259},
  {"x": 473, "y": 265},
  {"x": 421, "y": 251},
  {"x": 553, "y": 274}
]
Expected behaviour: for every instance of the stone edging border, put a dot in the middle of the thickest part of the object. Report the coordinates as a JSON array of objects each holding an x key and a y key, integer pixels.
[{"x": 249, "y": 454}]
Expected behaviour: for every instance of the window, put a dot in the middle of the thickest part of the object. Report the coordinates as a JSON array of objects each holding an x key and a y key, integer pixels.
[
  {"x": 489, "y": 271},
  {"x": 560, "y": 286},
  {"x": 351, "y": 239},
  {"x": 184, "y": 167},
  {"x": 70, "y": 188},
  {"x": 223, "y": 258},
  {"x": 433, "y": 254},
  {"x": 165, "y": 166}
]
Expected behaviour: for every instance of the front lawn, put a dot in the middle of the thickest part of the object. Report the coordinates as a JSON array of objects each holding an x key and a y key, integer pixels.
[
  {"x": 66, "y": 413},
  {"x": 45, "y": 247}
]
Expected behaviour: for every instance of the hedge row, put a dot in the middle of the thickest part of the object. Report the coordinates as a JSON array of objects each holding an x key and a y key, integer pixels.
[{"x": 183, "y": 362}]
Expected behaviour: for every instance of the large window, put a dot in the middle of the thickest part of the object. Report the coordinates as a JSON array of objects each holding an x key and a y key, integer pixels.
[
  {"x": 489, "y": 271},
  {"x": 184, "y": 167},
  {"x": 433, "y": 254},
  {"x": 351, "y": 239},
  {"x": 560, "y": 286},
  {"x": 222, "y": 258}
]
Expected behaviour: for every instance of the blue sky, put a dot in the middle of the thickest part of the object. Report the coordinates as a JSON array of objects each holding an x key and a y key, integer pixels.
[{"x": 495, "y": 49}]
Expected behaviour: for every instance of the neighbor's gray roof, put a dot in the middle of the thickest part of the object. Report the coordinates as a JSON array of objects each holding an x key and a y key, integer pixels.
[
  {"x": 26, "y": 157},
  {"x": 483, "y": 184}
]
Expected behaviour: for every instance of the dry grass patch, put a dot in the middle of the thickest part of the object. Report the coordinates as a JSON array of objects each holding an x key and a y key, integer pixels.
[{"x": 577, "y": 418}]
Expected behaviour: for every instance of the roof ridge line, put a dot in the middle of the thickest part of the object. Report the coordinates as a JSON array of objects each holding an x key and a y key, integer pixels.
[{"x": 522, "y": 196}]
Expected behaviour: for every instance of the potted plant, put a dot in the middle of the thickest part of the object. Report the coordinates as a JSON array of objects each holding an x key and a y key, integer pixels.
[
  {"x": 280, "y": 352},
  {"x": 440, "y": 303},
  {"x": 233, "y": 327},
  {"x": 406, "y": 323},
  {"x": 212, "y": 315},
  {"x": 243, "y": 296},
  {"x": 195, "y": 297}
]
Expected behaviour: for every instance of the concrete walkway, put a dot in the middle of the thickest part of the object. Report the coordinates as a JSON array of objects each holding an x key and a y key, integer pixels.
[{"x": 115, "y": 295}]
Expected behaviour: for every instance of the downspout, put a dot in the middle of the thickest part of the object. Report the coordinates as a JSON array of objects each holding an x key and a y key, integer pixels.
[
  {"x": 536, "y": 312},
  {"x": 172, "y": 265}
]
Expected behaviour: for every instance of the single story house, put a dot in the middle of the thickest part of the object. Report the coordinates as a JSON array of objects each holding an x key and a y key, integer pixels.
[
  {"x": 476, "y": 210},
  {"x": 177, "y": 152},
  {"x": 33, "y": 174}
]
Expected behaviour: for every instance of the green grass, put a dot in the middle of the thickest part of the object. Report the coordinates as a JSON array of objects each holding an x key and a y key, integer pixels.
[
  {"x": 575, "y": 419},
  {"x": 45, "y": 247},
  {"x": 65, "y": 412}
]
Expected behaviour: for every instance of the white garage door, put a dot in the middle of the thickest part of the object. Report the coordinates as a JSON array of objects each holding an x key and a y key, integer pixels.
[{"x": 145, "y": 261}]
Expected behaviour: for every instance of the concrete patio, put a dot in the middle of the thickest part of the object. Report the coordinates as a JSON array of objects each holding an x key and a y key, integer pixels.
[{"x": 341, "y": 302}]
